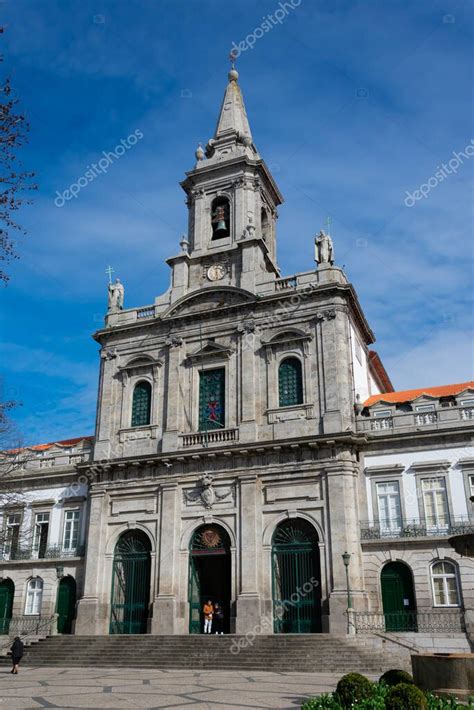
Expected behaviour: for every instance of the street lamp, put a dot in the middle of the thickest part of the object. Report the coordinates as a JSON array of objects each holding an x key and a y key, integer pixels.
[{"x": 346, "y": 558}]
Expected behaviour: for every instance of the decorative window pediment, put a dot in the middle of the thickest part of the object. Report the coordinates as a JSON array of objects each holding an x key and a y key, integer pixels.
[
  {"x": 140, "y": 362},
  {"x": 210, "y": 350},
  {"x": 286, "y": 339}
]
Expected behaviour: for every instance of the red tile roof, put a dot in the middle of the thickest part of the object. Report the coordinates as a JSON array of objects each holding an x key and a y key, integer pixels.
[
  {"x": 64, "y": 442},
  {"x": 409, "y": 395}
]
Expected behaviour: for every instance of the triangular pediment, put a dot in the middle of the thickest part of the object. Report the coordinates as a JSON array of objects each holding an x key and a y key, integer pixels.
[
  {"x": 210, "y": 350},
  {"x": 209, "y": 299}
]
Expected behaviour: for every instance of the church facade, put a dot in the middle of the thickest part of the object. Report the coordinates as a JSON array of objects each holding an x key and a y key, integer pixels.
[{"x": 237, "y": 416}]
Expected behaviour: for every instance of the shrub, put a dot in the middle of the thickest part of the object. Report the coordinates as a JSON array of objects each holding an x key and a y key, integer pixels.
[
  {"x": 352, "y": 688},
  {"x": 406, "y": 696},
  {"x": 394, "y": 677}
]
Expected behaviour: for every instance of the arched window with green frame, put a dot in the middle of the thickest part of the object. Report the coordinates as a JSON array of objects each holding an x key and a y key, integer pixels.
[
  {"x": 290, "y": 382},
  {"x": 141, "y": 404}
]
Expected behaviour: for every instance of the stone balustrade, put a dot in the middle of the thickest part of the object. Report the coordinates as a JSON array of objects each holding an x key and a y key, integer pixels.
[
  {"x": 444, "y": 417},
  {"x": 203, "y": 438}
]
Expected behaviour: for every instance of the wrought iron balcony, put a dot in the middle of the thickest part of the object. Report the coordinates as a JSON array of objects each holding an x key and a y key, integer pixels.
[
  {"x": 51, "y": 552},
  {"x": 416, "y": 527},
  {"x": 439, "y": 621}
]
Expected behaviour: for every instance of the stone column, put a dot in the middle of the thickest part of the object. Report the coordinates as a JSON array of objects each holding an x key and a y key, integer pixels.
[
  {"x": 165, "y": 605},
  {"x": 249, "y": 601},
  {"x": 343, "y": 527},
  {"x": 93, "y": 608}
]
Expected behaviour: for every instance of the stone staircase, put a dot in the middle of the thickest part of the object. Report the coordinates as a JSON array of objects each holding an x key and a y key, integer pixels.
[{"x": 289, "y": 652}]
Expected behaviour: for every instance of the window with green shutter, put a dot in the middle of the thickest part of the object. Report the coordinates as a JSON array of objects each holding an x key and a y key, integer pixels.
[
  {"x": 290, "y": 382},
  {"x": 212, "y": 399},
  {"x": 141, "y": 405}
]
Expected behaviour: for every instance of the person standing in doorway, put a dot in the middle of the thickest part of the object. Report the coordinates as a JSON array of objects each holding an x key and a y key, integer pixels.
[
  {"x": 16, "y": 649},
  {"x": 218, "y": 619},
  {"x": 208, "y": 611}
]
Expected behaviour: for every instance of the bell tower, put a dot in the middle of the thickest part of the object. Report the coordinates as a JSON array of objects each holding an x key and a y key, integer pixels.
[{"x": 232, "y": 201}]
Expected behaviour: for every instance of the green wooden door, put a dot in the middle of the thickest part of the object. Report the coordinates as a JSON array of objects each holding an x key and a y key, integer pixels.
[
  {"x": 130, "y": 584},
  {"x": 66, "y": 604},
  {"x": 7, "y": 592},
  {"x": 398, "y": 597},
  {"x": 296, "y": 579}
]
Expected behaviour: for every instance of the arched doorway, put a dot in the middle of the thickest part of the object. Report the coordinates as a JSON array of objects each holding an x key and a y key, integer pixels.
[
  {"x": 7, "y": 592},
  {"x": 209, "y": 574},
  {"x": 398, "y": 597},
  {"x": 130, "y": 584},
  {"x": 66, "y": 604},
  {"x": 296, "y": 578}
]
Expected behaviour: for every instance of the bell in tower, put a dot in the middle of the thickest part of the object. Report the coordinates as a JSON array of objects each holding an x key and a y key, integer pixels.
[{"x": 220, "y": 218}]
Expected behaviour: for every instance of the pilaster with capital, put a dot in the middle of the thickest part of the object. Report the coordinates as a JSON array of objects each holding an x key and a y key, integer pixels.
[
  {"x": 93, "y": 608},
  {"x": 165, "y": 605},
  {"x": 343, "y": 521},
  {"x": 249, "y": 381},
  {"x": 170, "y": 433},
  {"x": 335, "y": 367},
  {"x": 250, "y": 513}
]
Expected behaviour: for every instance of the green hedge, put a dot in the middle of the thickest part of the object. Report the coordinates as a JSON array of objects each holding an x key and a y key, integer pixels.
[{"x": 356, "y": 691}]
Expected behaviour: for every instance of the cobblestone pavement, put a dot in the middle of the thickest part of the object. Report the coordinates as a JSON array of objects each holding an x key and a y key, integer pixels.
[{"x": 102, "y": 688}]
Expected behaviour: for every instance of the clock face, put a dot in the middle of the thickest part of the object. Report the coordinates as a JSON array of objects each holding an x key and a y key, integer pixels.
[{"x": 216, "y": 272}]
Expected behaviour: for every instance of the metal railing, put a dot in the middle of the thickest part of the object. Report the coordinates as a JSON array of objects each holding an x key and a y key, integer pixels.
[
  {"x": 51, "y": 552},
  {"x": 416, "y": 527},
  {"x": 408, "y": 621},
  {"x": 24, "y": 626}
]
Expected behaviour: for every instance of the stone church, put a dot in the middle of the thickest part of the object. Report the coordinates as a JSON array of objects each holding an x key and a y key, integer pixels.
[{"x": 237, "y": 416}]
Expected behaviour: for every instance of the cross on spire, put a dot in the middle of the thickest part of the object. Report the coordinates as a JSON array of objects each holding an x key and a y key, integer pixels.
[
  {"x": 232, "y": 58},
  {"x": 109, "y": 271}
]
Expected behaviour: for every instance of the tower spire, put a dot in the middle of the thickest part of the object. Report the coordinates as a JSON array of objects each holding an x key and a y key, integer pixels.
[{"x": 232, "y": 125}]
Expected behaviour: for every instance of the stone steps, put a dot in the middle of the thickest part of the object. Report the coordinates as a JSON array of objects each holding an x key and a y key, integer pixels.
[{"x": 289, "y": 652}]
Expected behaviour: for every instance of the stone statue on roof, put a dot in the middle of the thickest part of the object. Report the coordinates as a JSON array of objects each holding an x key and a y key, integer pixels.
[
  {"x": 116, "y": 293},
  {"x": 323, "y": 249}
]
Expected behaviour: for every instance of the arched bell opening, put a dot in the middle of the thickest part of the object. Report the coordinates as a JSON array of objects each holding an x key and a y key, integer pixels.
[{"x": 220, "y": 218}]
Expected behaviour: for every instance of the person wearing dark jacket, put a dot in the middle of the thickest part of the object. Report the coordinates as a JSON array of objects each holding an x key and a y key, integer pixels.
[
  {"x": 218, "y": 618},
  {"x": 17, "y": 649}
]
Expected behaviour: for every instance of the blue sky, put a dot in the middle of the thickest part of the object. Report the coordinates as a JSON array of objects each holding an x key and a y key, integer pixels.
[{"x": 351, "y": 104}]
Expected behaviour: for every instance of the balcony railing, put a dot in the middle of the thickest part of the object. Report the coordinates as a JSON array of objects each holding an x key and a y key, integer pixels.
[
  {"x": 52, "y": 552},
  {"x": 391, "y": 424},
  {"x": 404, "y": 621},
  {"x": 416, "y": 527},
  {"x": 215, "y": 436}
]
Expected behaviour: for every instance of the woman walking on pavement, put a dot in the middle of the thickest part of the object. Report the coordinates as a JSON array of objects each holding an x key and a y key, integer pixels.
[{"x": 16, "y": 649}]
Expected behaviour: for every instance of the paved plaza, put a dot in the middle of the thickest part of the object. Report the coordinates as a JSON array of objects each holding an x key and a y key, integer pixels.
[{"x": 120, "y": 688}]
